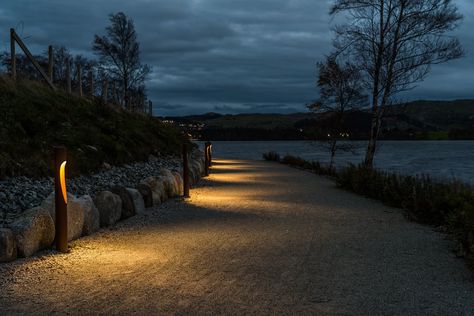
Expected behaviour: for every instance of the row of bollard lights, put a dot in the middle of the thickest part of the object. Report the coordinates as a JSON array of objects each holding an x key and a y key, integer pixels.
[{"x": 60, "y": 189}]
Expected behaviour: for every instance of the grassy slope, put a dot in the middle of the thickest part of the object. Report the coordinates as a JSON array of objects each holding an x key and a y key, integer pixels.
[
  {"x": 442, "y": 114},
  {"x": 33, "y": 119}
]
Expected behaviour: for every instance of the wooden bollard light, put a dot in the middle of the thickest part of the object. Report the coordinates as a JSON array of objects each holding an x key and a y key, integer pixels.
[
  {"x": 60, "y": 198},
  {"x": 206, "y": 159},
  {"x": 185, "y": 171},
  {"x": 210, "y": 154},
  {"x": 208, "y": 150}
]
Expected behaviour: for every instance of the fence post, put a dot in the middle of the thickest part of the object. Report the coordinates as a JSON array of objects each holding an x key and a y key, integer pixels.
[
  {"x": 68, "y": 76},
  {"x": 12, "y": 53},
  {"x": 91, "y": 84},
  {"x": 60, "y": 160},
  {"x": 50, "y": 62},
  {"x": 185, "y": 171},
  {"x": 31, "y": 58},
  {"x": 79, "y": 79}
]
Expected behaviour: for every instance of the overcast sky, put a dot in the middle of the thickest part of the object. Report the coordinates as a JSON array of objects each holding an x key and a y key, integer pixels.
[{"x": 228, "y": 56}]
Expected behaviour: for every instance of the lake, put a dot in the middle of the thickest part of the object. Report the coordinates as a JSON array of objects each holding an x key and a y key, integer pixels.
[{"x": 443, "y": 160}]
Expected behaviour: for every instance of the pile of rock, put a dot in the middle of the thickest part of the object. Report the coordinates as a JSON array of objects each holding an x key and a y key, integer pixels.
[
  {"x": 19, "y": 194},
  {"x": 34, "y": 229}
]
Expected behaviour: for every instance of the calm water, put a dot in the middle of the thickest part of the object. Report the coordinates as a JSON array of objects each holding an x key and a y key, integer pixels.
[{"x": 443, "y": 160}]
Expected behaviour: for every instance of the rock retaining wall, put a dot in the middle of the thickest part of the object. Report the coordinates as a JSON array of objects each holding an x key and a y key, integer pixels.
[{"x": 34, "y": 229}]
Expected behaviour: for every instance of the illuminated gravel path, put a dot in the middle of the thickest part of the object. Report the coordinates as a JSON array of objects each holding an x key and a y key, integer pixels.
[{"x": 256, "y": 238}]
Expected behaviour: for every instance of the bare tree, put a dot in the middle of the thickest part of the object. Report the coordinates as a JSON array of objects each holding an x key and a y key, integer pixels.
[
  {"x": 395, "y": 42},
  {"x": 120, "y": 55},
  {"x": 61, "y": 55},
  {"x": 340, "y": 92},
  {"x": 25, "y": 68}
]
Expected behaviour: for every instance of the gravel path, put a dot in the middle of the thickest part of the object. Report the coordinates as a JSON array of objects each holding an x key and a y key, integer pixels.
[{"x": 256, "y": 238}]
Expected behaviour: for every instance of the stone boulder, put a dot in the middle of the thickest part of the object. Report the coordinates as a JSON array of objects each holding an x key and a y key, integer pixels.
[
  {"x": 75, "y": 214},
  {"x": 195, "y": 171},
  {"x": 178, "y": 178},
  {"x": 157, "y": 189},
  {"x": 33, "y": 230},
  {"x": 169, "y": 182},
  {"x": 198, "y": 157},
  {"x": 8, "y": 251},
  {"x": 146, "y": 193},
  {"x": 137, "y": 200},
  {"x": 109, "y": 206},
  {"x": 128, "y": 207},
  {"x": 91, "y": 215},
  {"x": 199, "y": 165}
]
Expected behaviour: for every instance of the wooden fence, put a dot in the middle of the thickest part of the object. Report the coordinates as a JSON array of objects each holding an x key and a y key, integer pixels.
[{"x": 48, "y": 78}]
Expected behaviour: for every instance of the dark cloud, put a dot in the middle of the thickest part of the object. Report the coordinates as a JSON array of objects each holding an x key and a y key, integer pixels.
[{"x": 218, "y": 55}]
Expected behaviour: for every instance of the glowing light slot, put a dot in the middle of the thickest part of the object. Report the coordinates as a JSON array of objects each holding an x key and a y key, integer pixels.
[{"x": 62, "y": 178}]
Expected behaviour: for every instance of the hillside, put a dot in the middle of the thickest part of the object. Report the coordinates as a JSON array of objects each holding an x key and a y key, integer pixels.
[
  {"x": 438, "y": 114},
  {"x": 413, "y": 120},
  {"x": 34, "y": 119},
  {"x": 267, "y": 121}
]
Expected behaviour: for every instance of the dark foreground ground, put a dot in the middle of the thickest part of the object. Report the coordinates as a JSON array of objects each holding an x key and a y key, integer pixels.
[{"x": 256, "y": 238}]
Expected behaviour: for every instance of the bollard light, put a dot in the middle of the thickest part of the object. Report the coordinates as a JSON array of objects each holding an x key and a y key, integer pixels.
[
  {"x": 210, "y": 154},
  {"x": 60, "y": 198},
  {"x": 206, "y": 159},
  {"x": 185, "y": 171}
]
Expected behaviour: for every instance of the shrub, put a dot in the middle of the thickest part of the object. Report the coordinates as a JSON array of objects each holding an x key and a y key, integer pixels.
[
  {"x": 271, "y": 156},
  {"x": 314, "y": 166}
]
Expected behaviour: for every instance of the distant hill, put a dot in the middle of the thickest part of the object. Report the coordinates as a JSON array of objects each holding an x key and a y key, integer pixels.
[
  {"x": 437, "y": 114},
  {"x": 413, "y": 120}
]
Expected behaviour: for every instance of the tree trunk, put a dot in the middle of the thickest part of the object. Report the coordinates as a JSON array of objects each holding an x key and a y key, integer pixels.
[
  {"x": 375, "y": 125},
  {"x": 374, "y": 133},
  {"x": 369, "y": 159},
  {"x": 333, "y": 153}
]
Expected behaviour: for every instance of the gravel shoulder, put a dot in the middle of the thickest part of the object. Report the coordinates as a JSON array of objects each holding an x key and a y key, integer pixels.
[{"x": 254, "y": 238}]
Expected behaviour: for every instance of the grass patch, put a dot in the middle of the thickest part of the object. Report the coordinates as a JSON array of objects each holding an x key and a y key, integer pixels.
[
  {"x": 449, "y": 205},
  {"x": 34, "y": 119}
]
